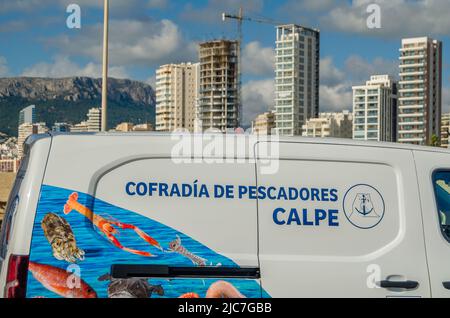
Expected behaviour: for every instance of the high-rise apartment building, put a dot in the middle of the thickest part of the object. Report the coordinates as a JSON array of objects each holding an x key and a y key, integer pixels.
[
  {"x": 177, "y": 93},
  {"x": 297, "y": 78},
  {"x": 124, "y": 127},
  {"x": 219, "y": 102},
  {"x": 336, "y": 125},
  {"x": 264, "y": 124},
  {"x": 445, "y": 130},
  {"x": 80, "y": 128},
  {"x": 41, "y": 128},
  {"x": 61, "y": 127},
  {"x": 375, "y": 109},
  {"x": 143, "y": 127},
  {"x": 25, "y": 130},
  {"x": 94, "y": 121},
  {"x": 27, "y": 115},
  {"x": 420, "y": 90}
]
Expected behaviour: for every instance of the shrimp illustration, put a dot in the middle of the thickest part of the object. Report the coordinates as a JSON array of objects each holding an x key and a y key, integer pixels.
[
  {"x": 175, "y": 246},
  {"x": 107, "y": 226},
  {"x": 219, "y": 289}
]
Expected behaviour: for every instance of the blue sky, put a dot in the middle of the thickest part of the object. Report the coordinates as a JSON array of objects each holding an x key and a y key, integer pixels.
[{"x": 148, "y": 33}]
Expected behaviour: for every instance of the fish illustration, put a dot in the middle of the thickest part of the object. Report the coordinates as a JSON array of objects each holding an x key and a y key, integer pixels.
[
  {"x": 108, "y": 227},
  {"x": 220, "y": 289},
  {"x": 177, "y": 247},
  {"x": 56, "y": 280},
  {"x": 61, "y": 238},
  {"x": 131, "y": 288}
]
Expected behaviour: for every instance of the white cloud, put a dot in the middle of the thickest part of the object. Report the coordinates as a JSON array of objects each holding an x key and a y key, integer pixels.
[
  {"x": 360, "y": 69},
  {"x": 22, "y": 5},
  {"x": 132, "y": 42},
  {"x": 446, "y": 99},
  {"x": 151, "y": 81},
  {"x": 329, "y": 73},
  {"x": 294, "y": 7},
  {"x": 336, "y": 84},
  {"x": 62, "y": 66},
  {"x": 257, "y": 97},
  {"x": 4, "y": 69},
  {"x": 335, "y": 98},
  {"x": 158, "y": 4},
  {"x": 398, "y": 17},
  {"x": 258, "y": 60}
]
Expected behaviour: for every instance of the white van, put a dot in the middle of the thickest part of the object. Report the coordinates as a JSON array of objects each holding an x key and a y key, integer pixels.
[{"x": 120, "y": 215}]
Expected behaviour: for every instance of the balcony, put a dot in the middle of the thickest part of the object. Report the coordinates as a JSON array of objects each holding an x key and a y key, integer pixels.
[
  {"x": 416, "y": 56},
  {"x": 412, "y": 81},
  {"x": 418, "y": 64}
]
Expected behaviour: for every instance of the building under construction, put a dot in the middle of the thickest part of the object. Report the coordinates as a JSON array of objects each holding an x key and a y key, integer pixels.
[{"x": 219, "y": 103}]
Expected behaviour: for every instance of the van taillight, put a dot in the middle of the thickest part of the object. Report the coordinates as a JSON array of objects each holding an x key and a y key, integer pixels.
[{"x": 16, "y": 280}]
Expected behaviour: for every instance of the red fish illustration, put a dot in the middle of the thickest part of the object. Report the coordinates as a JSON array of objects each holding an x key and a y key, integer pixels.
[{"x": 56, "y": 280}]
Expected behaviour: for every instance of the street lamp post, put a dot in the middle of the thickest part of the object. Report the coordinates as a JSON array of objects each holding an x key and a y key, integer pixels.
[{"x": 105, "y": 68}]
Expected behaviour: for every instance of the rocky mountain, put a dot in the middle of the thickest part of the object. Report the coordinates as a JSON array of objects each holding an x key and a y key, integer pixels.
[{"x": 69, "y": 99}]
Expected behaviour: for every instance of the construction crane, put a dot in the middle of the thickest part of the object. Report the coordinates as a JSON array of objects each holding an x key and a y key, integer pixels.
[{"x": 240, "y": 18}]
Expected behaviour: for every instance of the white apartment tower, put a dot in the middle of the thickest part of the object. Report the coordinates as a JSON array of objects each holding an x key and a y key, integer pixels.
[
  {"x": 297, "y": 78},
  {"x": 219, "y": 102},
  {"x": 375, "y": 109},
  {"x": 420, "y": 90},
  {"x": 94, "y": 121},
  {"x": 177, "y": 89}
]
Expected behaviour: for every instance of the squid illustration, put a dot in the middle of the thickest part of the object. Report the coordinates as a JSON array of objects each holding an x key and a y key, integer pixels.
[{"x": 108, "y": 227}]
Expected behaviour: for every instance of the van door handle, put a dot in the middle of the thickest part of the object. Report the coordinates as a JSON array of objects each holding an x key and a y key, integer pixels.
[
  {"x": 409, "y": 284},
  {"x": 446, "y": 285}
]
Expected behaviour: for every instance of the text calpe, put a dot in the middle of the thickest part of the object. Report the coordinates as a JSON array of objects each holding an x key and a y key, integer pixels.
[{"x": 305, "y": 217}]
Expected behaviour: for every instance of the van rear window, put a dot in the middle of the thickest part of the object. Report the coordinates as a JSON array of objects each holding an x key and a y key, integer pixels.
[
  {"x": 442, "y": 190},
  {"x": 11, "y": 208}
]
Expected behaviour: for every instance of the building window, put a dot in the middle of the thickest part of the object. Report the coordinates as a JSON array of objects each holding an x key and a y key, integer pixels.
[{"x": 441, "y": 182}]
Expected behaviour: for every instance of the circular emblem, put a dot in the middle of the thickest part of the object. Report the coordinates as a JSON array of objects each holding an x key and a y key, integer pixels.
[{"x": 364, "y": 206}]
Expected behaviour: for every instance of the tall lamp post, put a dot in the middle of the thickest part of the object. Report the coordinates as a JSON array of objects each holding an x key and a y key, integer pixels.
[{"x": 105, "y": 68}]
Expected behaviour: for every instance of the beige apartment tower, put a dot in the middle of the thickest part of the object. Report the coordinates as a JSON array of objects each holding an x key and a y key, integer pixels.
[
  {"x": 445, "y": 130},
  {"x": 177, "y": 87},
  {"x": 264, "y": 124},
  {"x": 420, "y": 90},
  {"x": 336, "y": 125},
  {"x": 25, "y": 130},
  {"x": 219, "y": 104}
]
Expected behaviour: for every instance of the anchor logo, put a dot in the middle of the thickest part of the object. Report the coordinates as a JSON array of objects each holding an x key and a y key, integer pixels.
[{"x": 364, "y": 206}]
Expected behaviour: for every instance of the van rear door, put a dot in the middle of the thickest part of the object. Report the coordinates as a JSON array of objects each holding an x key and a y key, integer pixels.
[
  {"x": 433, "y": 169},
  {"x": 147, "y": 227},
  {"x": 341, "y": 221}
]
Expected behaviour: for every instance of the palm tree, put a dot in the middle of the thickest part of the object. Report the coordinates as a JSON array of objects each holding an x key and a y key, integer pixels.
[{"x": 435, "y": 141}]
